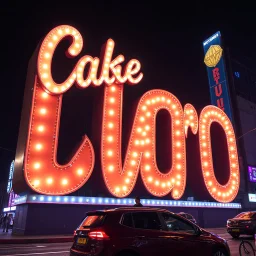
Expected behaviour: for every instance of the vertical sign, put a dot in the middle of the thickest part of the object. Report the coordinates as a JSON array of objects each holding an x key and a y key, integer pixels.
[{"x": 214, "y": 61}]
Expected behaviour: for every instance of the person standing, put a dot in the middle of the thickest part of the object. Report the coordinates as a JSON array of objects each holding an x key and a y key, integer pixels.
[
  {"x": 137, "y": 202},
  {"x": 4, "y": 221}
]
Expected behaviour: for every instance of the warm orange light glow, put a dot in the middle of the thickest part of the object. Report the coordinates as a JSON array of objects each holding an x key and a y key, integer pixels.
[
  {"x": 220, "y": 192},
  {"x": 190, "y": 119},
  {"x": 42, "y": 150},
  {"x": 140, "y": 153},
  {"x": 131, "y": 73}
]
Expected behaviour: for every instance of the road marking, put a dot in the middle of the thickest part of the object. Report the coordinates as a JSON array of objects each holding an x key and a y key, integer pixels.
[
  {"x": 21, "y": 247},
  {"x": 35, "y": 253}
]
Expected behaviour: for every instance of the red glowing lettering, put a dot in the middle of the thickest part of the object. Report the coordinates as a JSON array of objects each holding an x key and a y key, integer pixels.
[{"x": 43, "y": 173}]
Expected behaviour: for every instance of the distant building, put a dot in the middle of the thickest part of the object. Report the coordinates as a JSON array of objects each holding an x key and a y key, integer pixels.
[{"x": 243, "y": 94}]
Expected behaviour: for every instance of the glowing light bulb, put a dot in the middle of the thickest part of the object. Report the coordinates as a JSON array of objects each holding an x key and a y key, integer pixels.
[
  {"x": 179, "y": 176},
  {"x": 178, "y": 183},
  {"x": 147, "y": 167},
  {"x": 157, "y": 183},
  {"x": 36, "y": 183},
  {"x": 45, "y": 95},
  {"x": 49, "y": 181},
  {"x": 127, "y": 180},
  {"x": 150, "y": 179},
  {"x": 178, "y": 144},
  {"x": 147, "y": 154},
  {"x": 133, "y": 162},
  {"x": 148, "y": 114},
  {"x": 144, "y": 108},
  {"x": 43, "y": 111},
  {"x": 178, "y": 133},
  {"x": 178, "y": 166},
  {"x": 205, "y": 163},
  {"x": 40, "y": 128},
  {"x": 130, "y": 174},
  {"x": 135, "y": 154},
  {"x": 111, "y": 168},
  {"x": 139, "y": 129},
  {"x": 205, "y": 153},
  {"x": 39, "y": 146},
  {"x": 207, "y": 173},
  {"x": 80, "y": 171},
  {"x": 210, "y": 183},
  {"x": 176, "y": 193},
  {"x": 64, "y": 182},
  {"x": 112, "y": 100},
  {"x": 177, "y": 122},
  {"x": 163, "y": 185},
  {"x": 37, "y": 165},
  {"x": 142, "y": 119},
  {"x": 47, "y": 55},
  {"x": 113, "y": 89},
  {"x": 124, "y": 188},
  {"x": 214, "y": 189},
  {"x": 117, "y": 189},
  {"x": 173, "y": 180},
  {"x": 110, "y": 138},
  {"x": 147, "y": 127},
  {"x": 111, "y": 112},
  {"x": 110, "y": 125},
  {"x": 110, "y": 153},
  {"x": 178, "y": 155}
]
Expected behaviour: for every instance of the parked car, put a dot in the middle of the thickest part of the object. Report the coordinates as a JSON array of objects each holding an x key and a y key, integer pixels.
[
  {"x": 143, "y": 231},
  {"x": 187, "y": 216},
  {"x": 243, "y": 224}
]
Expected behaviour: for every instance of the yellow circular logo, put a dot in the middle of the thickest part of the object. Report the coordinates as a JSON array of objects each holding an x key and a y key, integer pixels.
[{"x": 213, "y": 56}]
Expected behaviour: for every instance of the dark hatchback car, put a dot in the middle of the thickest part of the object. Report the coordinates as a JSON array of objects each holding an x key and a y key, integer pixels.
[
  {"x": 243, "y": 224},
  {"x": 187, "y": 216},
  {"x": 143, "y": 232}
]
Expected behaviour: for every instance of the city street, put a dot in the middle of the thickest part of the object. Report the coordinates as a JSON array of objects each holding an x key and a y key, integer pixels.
[
  {"x": 35, "y": 249},
  {"x": 63, "y": 248}
]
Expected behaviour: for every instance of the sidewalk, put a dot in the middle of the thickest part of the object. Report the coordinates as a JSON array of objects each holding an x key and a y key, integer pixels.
[{"x": 8, "y": 238}]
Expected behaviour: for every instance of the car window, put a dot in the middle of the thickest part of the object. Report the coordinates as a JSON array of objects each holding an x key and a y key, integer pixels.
[
  {"x": 127, "y": 220},
  {"x": 93, "y": 220},
  {"x": 245, "y": 215},
  {"x": 146, "y": 220},
  {"x": 177, "y": 225}
]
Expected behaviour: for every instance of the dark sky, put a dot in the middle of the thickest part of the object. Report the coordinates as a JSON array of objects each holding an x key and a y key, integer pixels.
[{"x": 166, "y": 39}]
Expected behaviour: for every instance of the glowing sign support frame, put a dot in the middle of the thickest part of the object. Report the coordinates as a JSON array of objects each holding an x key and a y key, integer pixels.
[{"x": 44, "y": 175}]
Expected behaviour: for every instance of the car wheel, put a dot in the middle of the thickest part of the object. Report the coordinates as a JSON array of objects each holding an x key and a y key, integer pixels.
[
  {"x": 235, "y": 235},
  {"x": 220, "y": 252}
]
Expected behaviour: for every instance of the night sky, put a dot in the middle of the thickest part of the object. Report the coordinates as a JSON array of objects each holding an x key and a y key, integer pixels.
[{"x": 166, "y": 40}]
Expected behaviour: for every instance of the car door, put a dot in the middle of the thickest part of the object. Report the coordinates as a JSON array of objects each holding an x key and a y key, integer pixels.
[
  {"x": 149, "y": 231},
  {"x": 181, "y": 236}
]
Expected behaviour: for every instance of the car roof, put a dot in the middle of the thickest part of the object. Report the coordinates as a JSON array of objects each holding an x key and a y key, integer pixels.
[{"x": 128, "y": 209}]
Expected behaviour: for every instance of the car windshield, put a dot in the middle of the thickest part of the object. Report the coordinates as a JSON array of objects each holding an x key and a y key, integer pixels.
[{"x": 245, "y": 215}]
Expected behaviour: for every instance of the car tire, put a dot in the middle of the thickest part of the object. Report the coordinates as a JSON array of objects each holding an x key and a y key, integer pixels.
[
  {"x": 220, "y": 252},
  {"x": 235, "y": 236}
]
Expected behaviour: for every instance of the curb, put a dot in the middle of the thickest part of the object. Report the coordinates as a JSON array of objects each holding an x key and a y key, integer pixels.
[{"x": 36, "y": 240}]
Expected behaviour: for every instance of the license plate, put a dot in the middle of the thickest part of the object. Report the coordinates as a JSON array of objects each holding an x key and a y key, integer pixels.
[
  {"x": 235, "y": 230},
  {"x": 81, "y": 241}
]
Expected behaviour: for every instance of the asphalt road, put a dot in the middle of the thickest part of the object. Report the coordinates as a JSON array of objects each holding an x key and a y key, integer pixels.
[{"x": 62, "y": 249}]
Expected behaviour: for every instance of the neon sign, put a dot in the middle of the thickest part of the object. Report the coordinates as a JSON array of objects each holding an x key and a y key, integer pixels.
[{"x": 46, "y": 176}]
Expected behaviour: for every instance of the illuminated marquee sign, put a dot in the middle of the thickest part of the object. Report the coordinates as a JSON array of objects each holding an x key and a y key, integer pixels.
[
  {"x": 46, "y": 176},
  {"x": 214, "y": 60}
]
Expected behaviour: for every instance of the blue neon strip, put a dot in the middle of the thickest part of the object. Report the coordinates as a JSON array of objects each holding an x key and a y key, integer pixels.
[{"x": 45, "y": 199}]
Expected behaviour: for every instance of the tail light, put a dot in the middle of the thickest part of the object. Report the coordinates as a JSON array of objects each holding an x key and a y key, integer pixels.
[{"x": 98, "y": 235}]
